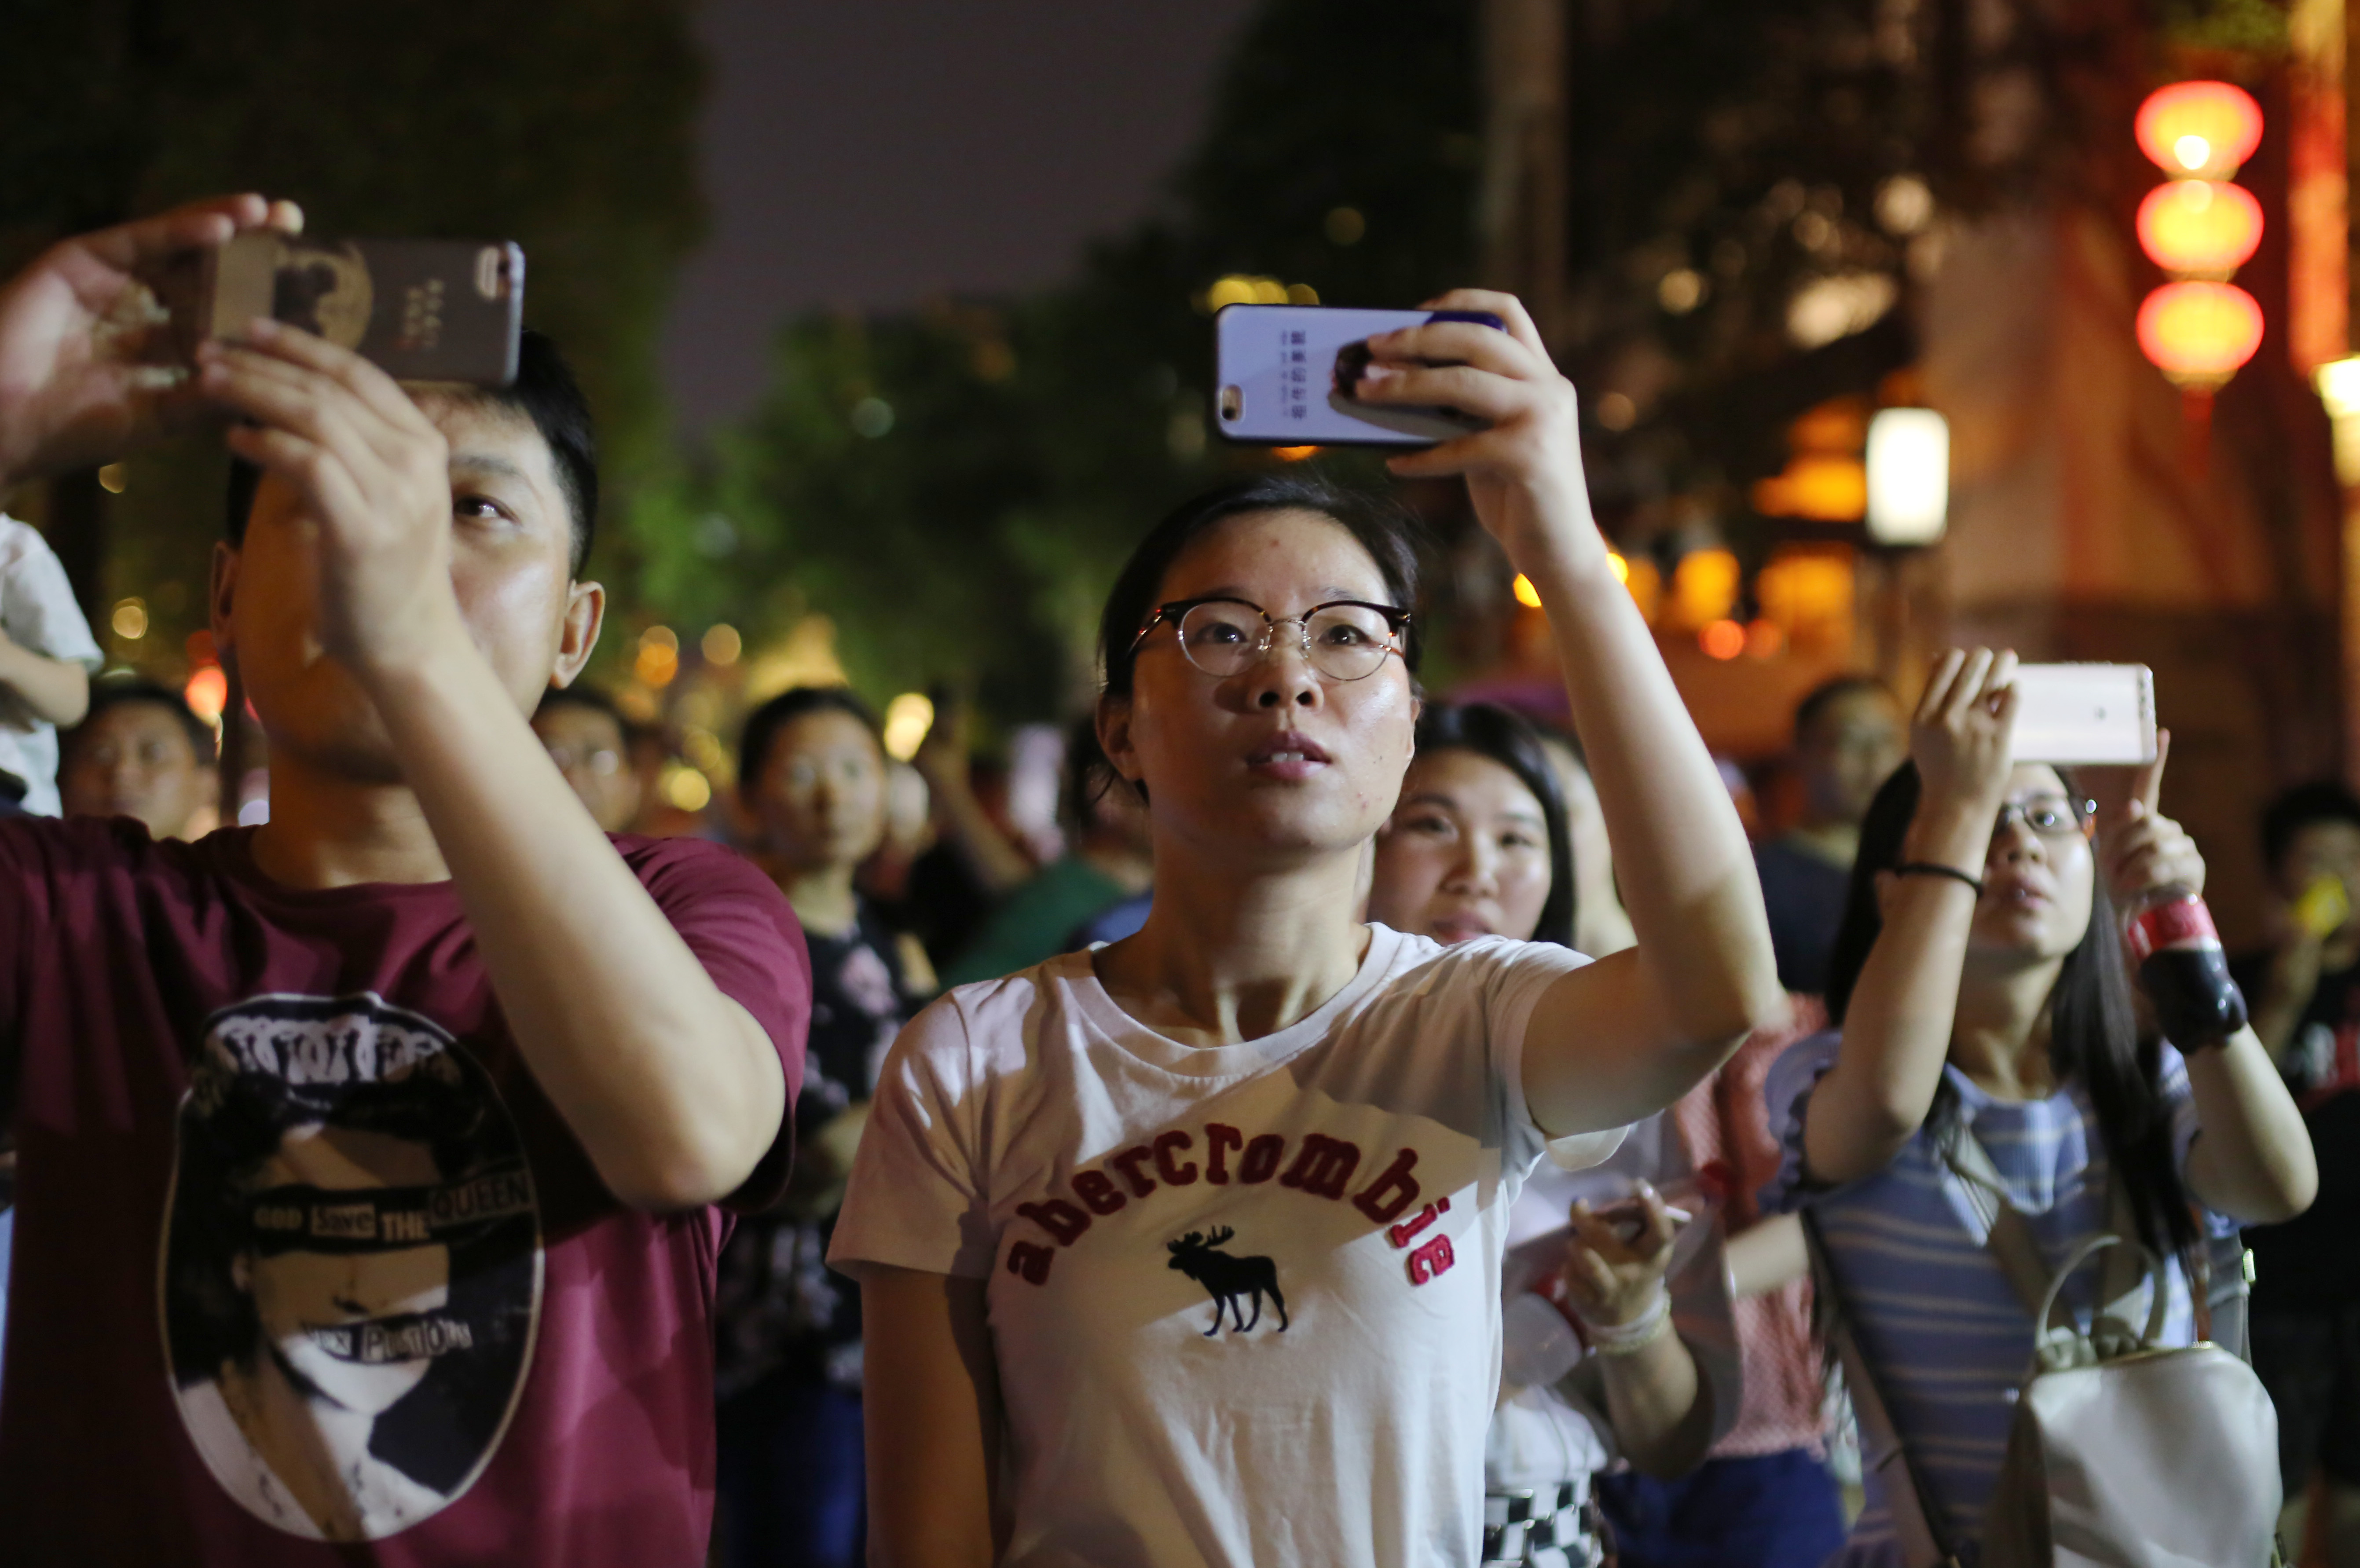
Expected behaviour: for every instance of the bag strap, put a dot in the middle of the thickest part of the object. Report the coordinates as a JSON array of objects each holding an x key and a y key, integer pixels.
[
  {"x": 2006, "y": 1235},
  {"x": 1918, "y": 1518}
]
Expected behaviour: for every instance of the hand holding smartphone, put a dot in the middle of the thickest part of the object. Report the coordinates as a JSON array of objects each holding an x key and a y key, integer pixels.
[
  {"x": 1283, "y": 376},
  {"x": 421, "y": 310},
  {"x": 2087, "y": 714}
]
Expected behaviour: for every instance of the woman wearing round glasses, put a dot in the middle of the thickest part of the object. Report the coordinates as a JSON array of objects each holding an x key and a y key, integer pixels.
[
  {"x": 1185, "y": 1250},
  {"x": 1981, "y": 997}
]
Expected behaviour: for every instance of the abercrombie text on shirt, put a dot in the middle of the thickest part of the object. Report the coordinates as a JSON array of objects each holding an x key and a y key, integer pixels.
[
  {"x": 1244, "y": 1298},
  {"x": 308, "y": 1270}
]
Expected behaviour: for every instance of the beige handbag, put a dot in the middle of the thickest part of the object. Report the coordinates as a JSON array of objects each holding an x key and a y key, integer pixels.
[{"x": 2124, "y": 1453}]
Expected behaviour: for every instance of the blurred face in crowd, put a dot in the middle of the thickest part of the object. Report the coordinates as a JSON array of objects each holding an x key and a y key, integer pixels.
[
  {"x": 2039, "y": 876},
  {"x": 2317, "y": 850},
  {"x": 137, "y": 760},
  {"x": 511, "y": 566},
  {"x": 1466, "y": 853},
  {"x": 1278, "y": 759},
  {"x": 1849, "y": 750},
  {"x": 819, "y": 802},
  {"x": 588, "y": 747}
]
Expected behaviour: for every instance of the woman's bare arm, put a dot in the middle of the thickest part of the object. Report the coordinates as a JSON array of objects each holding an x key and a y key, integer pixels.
[
  {"x": 931, "y": 1409},
  {"x": 1896, "y": 1030},
  {"x": 1767, "y": 1257},
  {"x": 2253, "y": 1160},
  {"x": 1627, "y": 1037}
]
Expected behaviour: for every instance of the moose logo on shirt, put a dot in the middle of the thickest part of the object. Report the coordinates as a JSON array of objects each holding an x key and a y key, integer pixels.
[
  {"x": 1227, "y": 1278},
  {"x": 1321, "y": 1167}
]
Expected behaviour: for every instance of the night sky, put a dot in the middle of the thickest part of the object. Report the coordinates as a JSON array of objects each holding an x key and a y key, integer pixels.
[{"x": 873, "y": 154}]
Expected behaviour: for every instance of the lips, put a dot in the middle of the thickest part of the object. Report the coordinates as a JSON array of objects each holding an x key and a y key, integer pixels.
[
  {"x": 1289, "y": 755},
  {"x": 1451, "y": 930},
  {"x": 2018, "y": 895}
]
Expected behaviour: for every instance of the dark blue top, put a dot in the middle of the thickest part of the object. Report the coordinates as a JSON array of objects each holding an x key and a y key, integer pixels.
[{"x": 1804, "y": 896}]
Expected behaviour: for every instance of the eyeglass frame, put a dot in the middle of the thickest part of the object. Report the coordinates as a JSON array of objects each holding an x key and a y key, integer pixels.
[
  {"x": 1396, "y": 622},
  {"x": 2084, "y": 821}
]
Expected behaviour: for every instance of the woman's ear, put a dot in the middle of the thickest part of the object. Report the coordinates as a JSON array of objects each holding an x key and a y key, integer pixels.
[{"x": 1114, "y": 737}]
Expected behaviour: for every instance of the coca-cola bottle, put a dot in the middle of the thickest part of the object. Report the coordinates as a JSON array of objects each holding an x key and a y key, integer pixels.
[{"x": 2181, "y": 966}]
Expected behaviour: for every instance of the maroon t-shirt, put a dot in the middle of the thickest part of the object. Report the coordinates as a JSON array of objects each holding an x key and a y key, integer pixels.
[{"x": 304, "y": 1256}]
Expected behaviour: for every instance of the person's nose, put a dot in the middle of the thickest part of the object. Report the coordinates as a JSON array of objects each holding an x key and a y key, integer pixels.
[
  {"x": 2016, "y": 842},
  {"x": 1477, "y": 872},
  {"x": 1283, "y": 677}
]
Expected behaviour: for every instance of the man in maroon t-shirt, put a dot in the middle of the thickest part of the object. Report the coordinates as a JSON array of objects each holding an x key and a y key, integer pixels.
[{"x": 374, "y": 1160}]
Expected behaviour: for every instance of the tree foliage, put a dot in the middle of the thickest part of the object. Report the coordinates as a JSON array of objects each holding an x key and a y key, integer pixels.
[
  {"x": 566, "y": 128},
  {"x": 1032, "y": 440}
]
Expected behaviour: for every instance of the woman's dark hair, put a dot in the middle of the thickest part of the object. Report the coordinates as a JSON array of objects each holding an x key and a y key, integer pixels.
[
  {"x": 1086, "y": 775},
  {"x": 2093, "y": 1035},
  {"x": 1498, "y": 735},
  {"x": 1386, "y": 531},
  {"x": 763, "y": 725}
]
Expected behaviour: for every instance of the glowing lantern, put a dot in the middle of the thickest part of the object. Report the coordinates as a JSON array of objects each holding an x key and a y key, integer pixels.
[
  {"x": 2200, "y": 228},
  {"x": 2201, "y": 128},
  {"x": 2200, "y": 334}
]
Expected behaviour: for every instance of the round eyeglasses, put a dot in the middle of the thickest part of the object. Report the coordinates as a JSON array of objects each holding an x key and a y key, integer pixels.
[
  {"x": 2049, "y": 816},
  {"x": 1344, "y": 639}
]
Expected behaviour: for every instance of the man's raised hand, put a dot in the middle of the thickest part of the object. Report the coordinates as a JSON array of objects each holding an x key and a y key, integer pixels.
[
  {"x": 78, "y": 384},
  {"x": 369, "y": 469}
]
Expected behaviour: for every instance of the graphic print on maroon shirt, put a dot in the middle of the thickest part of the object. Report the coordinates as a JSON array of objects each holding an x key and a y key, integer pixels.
[
  {"x": 305, "y": 1257},
  {"x": 352, "y": 1264}
]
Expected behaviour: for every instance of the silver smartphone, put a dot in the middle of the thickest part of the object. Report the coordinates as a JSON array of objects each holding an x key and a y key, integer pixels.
[
  {"x": 2091, "y": 714},
  {"x": 1283, "y": 377}
]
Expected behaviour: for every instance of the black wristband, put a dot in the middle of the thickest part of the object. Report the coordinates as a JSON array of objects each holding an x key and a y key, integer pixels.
[{"x": 1933, "y": 868}]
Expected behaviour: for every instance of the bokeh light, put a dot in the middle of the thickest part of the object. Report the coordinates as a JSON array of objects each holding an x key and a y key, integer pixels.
[
  {"x": 908, "y": 717},
  {"x": 207, "y": 693},
  {"x": 1722, "y": 639},
  {"x": 2199, "y": 127}
]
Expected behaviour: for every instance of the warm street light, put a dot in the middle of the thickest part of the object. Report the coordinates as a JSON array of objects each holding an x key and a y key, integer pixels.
[{"x": 1908, "y": 476}]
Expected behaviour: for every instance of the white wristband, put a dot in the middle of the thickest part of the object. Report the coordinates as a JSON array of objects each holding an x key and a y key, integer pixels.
[{"x": 1625, "y": 1339}]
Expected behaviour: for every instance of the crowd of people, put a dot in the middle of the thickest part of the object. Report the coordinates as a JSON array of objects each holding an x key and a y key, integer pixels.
[{"x": 1390, "y": 1132}]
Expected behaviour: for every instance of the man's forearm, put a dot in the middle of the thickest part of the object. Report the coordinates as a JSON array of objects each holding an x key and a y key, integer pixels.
[{"x": 673, "y": 1088}]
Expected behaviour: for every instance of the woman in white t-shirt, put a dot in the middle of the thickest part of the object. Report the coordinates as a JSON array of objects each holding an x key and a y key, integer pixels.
[{"x": 1187, "y": 1250}]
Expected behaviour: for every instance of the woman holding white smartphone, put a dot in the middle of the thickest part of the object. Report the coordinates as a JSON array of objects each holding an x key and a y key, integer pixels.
[
  {"x": 1980, "y": 992},
  {"x": 1185, "y": 1250}
]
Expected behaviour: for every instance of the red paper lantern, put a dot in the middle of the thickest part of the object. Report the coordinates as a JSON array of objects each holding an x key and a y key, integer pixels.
[
  {"x": 2200, "y": 228},
  {"x": 2204, "y": 128},
  {"x": 2199, "y": 333}
]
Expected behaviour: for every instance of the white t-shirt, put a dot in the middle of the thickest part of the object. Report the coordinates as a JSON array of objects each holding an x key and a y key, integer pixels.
[
  {"x": 1244, "y": 1300},
  {"x": 37, "y": 612}
]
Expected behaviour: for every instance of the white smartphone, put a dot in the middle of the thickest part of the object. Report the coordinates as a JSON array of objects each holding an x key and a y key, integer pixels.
[
  {"x": 1282, "y": 377},
  {"x": 2094, "y": 713}
]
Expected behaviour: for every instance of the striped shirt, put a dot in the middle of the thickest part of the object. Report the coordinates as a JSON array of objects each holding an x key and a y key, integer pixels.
[{"x": 1936, "y": 1318}]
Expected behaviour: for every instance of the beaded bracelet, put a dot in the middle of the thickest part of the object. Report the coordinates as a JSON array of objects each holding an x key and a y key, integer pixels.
[{"x": 1630, "y": 1338}]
